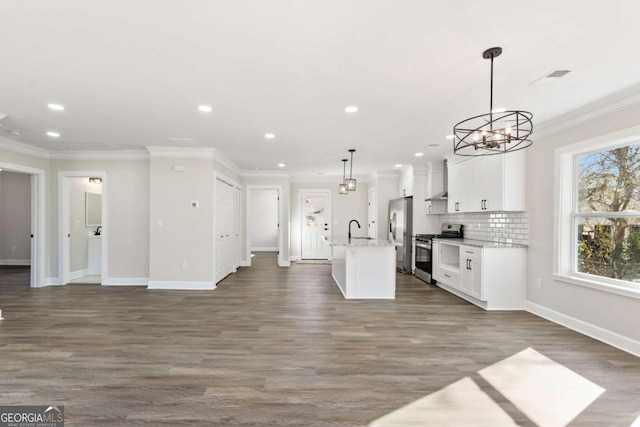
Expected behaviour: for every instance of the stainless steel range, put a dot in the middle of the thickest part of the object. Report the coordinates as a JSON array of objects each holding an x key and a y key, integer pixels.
[{"x": 424, "y": 255}]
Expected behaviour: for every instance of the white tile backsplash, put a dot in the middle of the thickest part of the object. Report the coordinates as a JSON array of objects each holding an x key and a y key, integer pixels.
[{"x": 499, "y": 227}]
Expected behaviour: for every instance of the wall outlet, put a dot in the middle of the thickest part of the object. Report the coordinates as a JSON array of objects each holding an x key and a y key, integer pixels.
[
  {"x": 539, "y": 283},
  {"x": 185, "y": 265}
]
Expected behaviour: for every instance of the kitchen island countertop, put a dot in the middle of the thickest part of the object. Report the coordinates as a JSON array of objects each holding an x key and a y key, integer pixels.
[{"x": 358, "y": 241}]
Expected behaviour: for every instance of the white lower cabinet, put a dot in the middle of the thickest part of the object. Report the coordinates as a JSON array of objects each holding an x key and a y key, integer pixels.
[{"x": 490, "y": 277}]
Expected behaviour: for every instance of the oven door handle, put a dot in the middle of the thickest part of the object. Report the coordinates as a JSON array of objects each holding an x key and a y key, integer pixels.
[{"x": 423, "y": 246}]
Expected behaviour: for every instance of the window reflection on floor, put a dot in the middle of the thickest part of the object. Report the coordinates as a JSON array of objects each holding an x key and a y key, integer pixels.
[{"x": 546, "y": 392}]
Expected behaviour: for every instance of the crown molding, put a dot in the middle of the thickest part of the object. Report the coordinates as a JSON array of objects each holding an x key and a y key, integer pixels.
[
  {"x": 181, "y": 152},
  {"x": 99, "y": 155},
  {"x": 22, "y": 148},
  {"x": 264, "y": 174},
  {"x": 226, "y": 162},
  {"x": 601, "y": 108}
]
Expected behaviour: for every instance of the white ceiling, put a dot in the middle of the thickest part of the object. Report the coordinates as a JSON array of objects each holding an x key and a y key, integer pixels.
[{"x": 132, "y": 73}]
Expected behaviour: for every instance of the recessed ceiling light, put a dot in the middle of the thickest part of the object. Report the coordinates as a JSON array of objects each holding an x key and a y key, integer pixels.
[
  {"x": 53, "y": 134},
  {"x": 398, "y": 165},
  {"x": 498, "y": 110},
  {"x": 281, "y": 165},
  {"x": 450, "y": 136},
  {"x": 269, "y": 135},
  {"x": 419, "y": 154},
  {"x": 205, "y": 108},
  {"x": 351, "y": 109},
  {"x": 56, "y": 107}
]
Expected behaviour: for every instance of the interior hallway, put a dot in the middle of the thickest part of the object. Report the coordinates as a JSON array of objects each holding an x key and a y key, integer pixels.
[{"x": 281, "y": 346}]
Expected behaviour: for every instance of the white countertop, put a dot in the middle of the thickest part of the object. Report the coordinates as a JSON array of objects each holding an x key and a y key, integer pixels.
[
  {"x": 358, "y": 241},
  {"x": 480, "y": 243}
]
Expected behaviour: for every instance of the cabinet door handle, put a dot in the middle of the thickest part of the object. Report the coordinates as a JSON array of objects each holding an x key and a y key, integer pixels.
[
  {"x": 456, "y": 207},
  {"x": 446, "y": 275},
  {"x": 429, "y": 208},
  {"x": 469, "y": 252},
  {"x": 468, "y": 264}
]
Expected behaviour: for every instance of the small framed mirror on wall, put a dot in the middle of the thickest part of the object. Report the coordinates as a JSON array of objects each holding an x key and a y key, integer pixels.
[{"x": 93, "y": 209}]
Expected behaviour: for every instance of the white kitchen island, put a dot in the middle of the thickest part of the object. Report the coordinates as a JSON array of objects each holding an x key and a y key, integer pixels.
[{"x": 364, "y": 268}]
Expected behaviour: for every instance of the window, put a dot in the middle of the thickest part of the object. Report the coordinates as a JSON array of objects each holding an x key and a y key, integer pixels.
[
  {"x": 607, "y": 213},
  {"x": 598, "y": 220}
]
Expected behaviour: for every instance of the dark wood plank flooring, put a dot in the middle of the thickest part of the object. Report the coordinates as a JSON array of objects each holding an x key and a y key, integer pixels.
[{"x": 274, "y": 346}]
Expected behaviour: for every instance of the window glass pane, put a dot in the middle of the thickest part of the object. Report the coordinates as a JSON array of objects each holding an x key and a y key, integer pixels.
[
  {"x": 609, "y": 247},
  {"x": 609, "y": 181},
  {"x": 314, "y": 211}
]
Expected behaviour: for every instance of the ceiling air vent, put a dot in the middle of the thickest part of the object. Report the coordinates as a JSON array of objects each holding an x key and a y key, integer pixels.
[{"x": 551, "y": 77}]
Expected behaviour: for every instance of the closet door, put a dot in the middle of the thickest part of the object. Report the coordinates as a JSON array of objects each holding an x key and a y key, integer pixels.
[
  {"x": 237, "y": 227},
  {"x": 224, "y": 229}
]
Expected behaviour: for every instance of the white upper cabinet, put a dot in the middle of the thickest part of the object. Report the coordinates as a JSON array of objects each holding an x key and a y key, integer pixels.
[
  {"x": 460, "y": 179},
  {"x": 489, "y": 183}
]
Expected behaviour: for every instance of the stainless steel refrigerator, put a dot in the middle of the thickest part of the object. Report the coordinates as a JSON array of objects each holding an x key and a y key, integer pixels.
[{"x": 400, "y": 230}]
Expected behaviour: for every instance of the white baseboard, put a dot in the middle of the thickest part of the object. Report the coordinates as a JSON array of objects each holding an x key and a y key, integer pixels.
[
  {"x": 294, "y": 258},
  {"x": 15, "y": 262},
  {"x": 126, "y": 281},
  {"x": 79, "y": 273},
  {"x": 245, "y": 263},
  {"x": 264, "y": 249},
  {"x": 50, "y": 281},
  {"x": 181, "y": 286},
  {"x": 596, "y": 332},
  {"x": 284, "y": 263}
]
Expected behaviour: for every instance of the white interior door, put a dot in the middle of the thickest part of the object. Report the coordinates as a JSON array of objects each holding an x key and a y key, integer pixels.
[
  {"x": 315, "y": 208},
  {"x": 224, "y": 204},
  {"x": 371, "y": 214}
]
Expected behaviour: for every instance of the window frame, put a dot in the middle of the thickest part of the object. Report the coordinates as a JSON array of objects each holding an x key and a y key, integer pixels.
[{"x": 566, "y": 213}]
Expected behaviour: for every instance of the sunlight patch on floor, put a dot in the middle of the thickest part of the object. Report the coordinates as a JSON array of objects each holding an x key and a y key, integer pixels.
[
  {"x": 462, "y": 403},
  {"x": 545, "y": 391},
  {"x": 636, "y": 423}
]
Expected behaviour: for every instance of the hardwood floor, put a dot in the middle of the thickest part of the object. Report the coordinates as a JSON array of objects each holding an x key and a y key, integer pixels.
[{"x": 278, "y": 346}]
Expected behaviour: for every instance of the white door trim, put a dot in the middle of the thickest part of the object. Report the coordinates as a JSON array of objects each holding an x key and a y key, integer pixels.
[
  {"x": 281, "y": 261},
  {"x": 38, "y": 222},
  {"x": 63, "y": 223},
  {"x": 329, "y": 209}
]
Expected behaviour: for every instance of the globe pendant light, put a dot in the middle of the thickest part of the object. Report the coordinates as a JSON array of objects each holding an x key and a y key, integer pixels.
[
  {"x": 342, "y": 188},
  {"x": 351, "y": 183},
  {"x": 495, "y": 132}
]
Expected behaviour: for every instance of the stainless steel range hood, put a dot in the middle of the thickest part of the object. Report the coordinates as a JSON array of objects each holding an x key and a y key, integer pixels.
[{"x": 445, "y": 185}]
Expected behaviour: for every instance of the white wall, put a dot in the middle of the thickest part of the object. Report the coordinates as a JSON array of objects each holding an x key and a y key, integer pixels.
[
  {"x": 263, "y": 219},
  {"x": 15, "y": 218},
  {"x": 179, "y": 232},
  {"x": 591, "y": 310}
]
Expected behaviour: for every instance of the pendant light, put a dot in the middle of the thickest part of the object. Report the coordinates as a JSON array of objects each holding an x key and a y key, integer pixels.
[
  {"x": 497, "y": 132},
  {"x": 342, "y": 188},
  {"x": 351, "y": 183}
]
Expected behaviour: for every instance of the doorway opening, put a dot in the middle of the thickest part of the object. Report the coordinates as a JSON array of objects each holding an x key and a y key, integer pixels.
[
  {"x": 22, "y": 226},
  {"x": 83, "y": 227},
  {"x": 264, "y": 222}
]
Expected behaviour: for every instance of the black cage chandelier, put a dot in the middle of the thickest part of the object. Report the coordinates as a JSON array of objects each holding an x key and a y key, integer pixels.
[{"x": 497, "y": 132}]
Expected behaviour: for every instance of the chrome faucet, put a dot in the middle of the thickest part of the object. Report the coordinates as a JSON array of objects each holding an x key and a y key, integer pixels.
[{"x": 353, "y": 220}]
